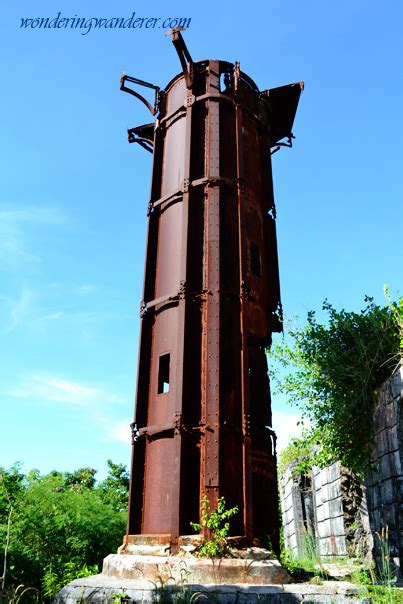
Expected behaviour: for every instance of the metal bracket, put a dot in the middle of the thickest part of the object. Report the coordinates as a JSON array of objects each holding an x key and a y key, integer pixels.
[
  {"x": 190, "y": 99},
  {"x": 135, "y": 432},
  {"x": 182, "y": 294},
  {"x": 283, "y": 144},
  {"x": 143, "y": 309},
  {"x": 183, "y": 54},
  {"x": 143, "y": 135},
  {"x": 175, "y": 425},
  {"x": 125, "y": 78},
  {"x": 215, "y": 181}
]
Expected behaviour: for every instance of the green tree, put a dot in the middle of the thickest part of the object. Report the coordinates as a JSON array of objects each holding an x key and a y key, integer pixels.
[
  {"x": 80, "y": 480},
  {"x": 114, "y": 489},
  {"x": 61, "y": 525},
  {"x": 12, "y": 483},
  {"x": 332, "y": 371}
]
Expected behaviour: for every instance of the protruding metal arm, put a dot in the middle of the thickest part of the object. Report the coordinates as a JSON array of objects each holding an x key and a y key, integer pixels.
[
  {"x": 183, "y": 54},
  {"x": 125, "y": 78},
  {"x": 143, "y": 135}
]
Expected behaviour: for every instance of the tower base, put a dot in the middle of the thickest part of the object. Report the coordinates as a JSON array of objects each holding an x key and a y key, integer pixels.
[
  {"x": 144, "y": 571},
  {"x": 102, "y": 589}
]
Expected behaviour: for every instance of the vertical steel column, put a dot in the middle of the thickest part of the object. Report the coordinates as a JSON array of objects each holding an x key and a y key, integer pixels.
[
  {"x": 243, "y": 255},
  {"x": 178, "y": 393},
  {"x": 212, "y": 264},
  {"x": 134, "y": 519}
]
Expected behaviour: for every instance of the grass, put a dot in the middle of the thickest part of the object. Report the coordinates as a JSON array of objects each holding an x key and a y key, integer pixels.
[
  {"x": 307, "y": 565},
  {"x": 378, "y": 583}
]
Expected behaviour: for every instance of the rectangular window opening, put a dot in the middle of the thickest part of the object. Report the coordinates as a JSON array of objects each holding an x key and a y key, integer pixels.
[
  {"x": 225, "y": 82},
  {"x": 163, "y": 374},
  {"x": 255, "y": 265}
]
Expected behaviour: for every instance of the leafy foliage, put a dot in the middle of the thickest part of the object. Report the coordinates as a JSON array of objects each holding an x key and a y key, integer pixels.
[
  {"x": 333, "y": 372},
  {"x": 119, "y": 597},
  {"x": 80, "y": 480},
  {"x": 62, "y": 525},
  {"x": 115, "y": 487},
  {"x": 53, "y": 582},
  {"x": 299, "y": 452},
  {"x": 217, "y": 524}
]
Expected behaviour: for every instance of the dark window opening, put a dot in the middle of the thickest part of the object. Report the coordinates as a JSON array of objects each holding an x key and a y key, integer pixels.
[
  {"x": 163, "y": 374},
  {"x": 255, "y": 265},
  {"x": 308, "y": 514}
]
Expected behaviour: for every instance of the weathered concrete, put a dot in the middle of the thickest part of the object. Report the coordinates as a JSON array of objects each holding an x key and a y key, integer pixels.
[
  {"x": 144, "y": 565},
  {"x": 324, "y": 512},
  {"x": 385, "y": 480},
  {"x": 251, "y": 575},
  {"x": 195, "y": 570},
  {"x": 101, "y": 589}
]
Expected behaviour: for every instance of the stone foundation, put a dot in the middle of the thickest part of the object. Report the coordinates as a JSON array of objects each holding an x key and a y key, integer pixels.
[
  {"x": 195, "y": 570},
  {"x": 101, "y": 589},
  {"x": 146, "y": 573},
  {"x": 145, "y": 567}
]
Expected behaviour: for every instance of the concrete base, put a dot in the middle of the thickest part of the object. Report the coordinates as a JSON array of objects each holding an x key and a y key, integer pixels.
[
  {"x": 145, "y": 571},
  {"x": 180, "y": 570},
  {"x": 103, "y": 589}
]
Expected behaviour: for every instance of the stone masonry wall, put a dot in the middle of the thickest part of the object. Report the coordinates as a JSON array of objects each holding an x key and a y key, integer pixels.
[
  {"x": 324, "y": 511},
  {"x": 339, "y": 513},
  {"x": 385, "y": 480},
  {"x": 291, "y": 507},
  {"x": 330, "y": 537}
]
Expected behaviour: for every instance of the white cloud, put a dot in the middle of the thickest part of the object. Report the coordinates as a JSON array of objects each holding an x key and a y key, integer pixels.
[
  {"x": 95, "y": 406},
  {"x": 14, "y": 224},
  {"x": 86, "y": 289},
  {"x": 33, "y": 215},
  {"x": 53, "y": 316},
  {"x": 51, "y": 388},
  {"x": 19, "y": 309},
  {"x": 285, "y": 426},
  {"x": 120, "y": 431}
]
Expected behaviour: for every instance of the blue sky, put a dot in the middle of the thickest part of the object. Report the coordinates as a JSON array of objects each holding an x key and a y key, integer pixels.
[{"x": 73, "y": 194}]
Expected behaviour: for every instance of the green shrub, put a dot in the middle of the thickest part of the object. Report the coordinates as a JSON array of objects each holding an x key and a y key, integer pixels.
[
  {"x": 331, "y": 371},
  {"x": 217, "y": 524}
]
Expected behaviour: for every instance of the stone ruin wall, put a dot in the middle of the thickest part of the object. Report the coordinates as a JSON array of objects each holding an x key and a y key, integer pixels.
[
  {"x": 384, "y": 483},
  {"x": 325, "y": 512},
  {"x": 338, "y": 513}
]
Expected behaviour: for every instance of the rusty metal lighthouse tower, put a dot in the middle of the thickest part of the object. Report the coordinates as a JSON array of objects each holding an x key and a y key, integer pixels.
[{"x": 211, "y": 301}]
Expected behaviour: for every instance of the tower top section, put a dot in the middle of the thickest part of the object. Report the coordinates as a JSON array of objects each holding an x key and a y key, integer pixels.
[{"x": 273, "y": 107}]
